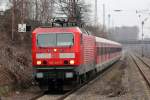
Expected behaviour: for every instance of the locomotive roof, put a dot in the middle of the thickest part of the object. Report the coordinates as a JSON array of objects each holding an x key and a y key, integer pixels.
[{"x": 56, "y": 29}]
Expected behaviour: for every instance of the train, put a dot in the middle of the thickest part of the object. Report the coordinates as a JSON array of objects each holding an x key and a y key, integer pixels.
[{"x": 68, "y": 56}]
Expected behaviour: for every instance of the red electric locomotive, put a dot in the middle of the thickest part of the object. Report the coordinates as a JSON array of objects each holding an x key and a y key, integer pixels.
[{"x": 64, "y": 56}]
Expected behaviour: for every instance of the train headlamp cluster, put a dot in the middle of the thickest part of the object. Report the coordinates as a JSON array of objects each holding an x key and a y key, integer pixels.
[
  {"x": 66, "y": 62},
  {"x": 44, "y": 58}
]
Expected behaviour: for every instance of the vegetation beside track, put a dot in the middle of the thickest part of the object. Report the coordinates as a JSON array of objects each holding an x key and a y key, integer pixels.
[{"x": 15, "y": 65}]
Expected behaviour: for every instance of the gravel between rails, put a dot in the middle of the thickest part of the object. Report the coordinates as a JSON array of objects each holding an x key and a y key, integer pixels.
[{"x": 50, "y": 97}]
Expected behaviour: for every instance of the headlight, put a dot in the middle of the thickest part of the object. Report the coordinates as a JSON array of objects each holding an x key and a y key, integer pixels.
[
  {"x": 66, "y": 55},
  {"x": 43, "y": 55},
  {"x": 38, "y": 62},
  {"x": 71, "y": 62}
]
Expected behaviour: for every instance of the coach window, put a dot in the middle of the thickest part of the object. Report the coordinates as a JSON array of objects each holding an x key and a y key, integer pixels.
[
  {"x": 101, "y": 50},
  {"x": 112, "y": 49},
  {"x": 106, "y": 50},
  {"x": 98, "y": 51}
]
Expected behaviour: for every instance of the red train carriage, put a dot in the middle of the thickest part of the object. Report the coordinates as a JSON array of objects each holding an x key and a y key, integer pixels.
[
  {"x": 107, "y": 53},
  {"x": 69, "y": 55}
]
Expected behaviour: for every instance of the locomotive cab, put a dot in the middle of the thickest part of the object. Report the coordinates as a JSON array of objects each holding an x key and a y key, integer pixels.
[{"x": 55, "y": 54}]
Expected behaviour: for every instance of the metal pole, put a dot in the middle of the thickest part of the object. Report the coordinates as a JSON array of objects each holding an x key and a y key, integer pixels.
[
  {"x": 142, "y": 38},
  {"x": 74, "y": 8},
  {"x": 109, "y": 16},
  {"x": 22, "y": 21},
  {"x": 96, "y": 12},
  {"x": 104, "y": 17},
  {"x": 13, "y": 20}
]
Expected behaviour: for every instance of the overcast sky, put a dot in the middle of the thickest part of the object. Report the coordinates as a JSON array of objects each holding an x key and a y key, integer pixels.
[
  {"x": 128, "y": 16},
  {"x": 3, "y": 4}
]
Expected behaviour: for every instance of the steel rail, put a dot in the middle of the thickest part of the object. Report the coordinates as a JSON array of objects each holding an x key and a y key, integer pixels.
[
  {"x": 141, "y": 71},
  {"x": 37, "y": 96},
  {"x": 143, "y": 61}
]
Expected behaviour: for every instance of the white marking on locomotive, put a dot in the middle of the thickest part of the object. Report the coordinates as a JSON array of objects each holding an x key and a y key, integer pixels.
[
  {"x": 66, "y": 55},
  {"x": 43, "y": 55}
]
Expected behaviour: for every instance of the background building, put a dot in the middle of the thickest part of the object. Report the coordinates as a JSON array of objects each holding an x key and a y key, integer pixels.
[{"x": 124, "y": 33}]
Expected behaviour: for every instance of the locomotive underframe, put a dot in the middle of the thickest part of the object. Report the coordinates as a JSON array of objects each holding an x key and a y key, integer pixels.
[{"x": 57, "y": 78}]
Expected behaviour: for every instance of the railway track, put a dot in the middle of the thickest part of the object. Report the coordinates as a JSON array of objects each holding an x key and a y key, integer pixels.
[
  {"x": 42, "y": 96},
  {"x": 143, "y": 67},
  {"x": 62, "y": 96}
]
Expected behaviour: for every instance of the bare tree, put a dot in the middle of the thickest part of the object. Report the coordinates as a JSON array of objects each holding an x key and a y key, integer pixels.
[
  {"x": 96, "y": 30},
  {"x": 75, "y": 9},
  {"x": 41, "y": 11},
  {"x": 46, "y": 10}
]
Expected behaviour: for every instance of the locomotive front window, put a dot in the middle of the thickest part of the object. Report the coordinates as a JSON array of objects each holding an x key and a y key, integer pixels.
[
  {"x": 46, "y": 40},
  {"x": 55, "y": 39},
  {"x": 65, "y": 39}
]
